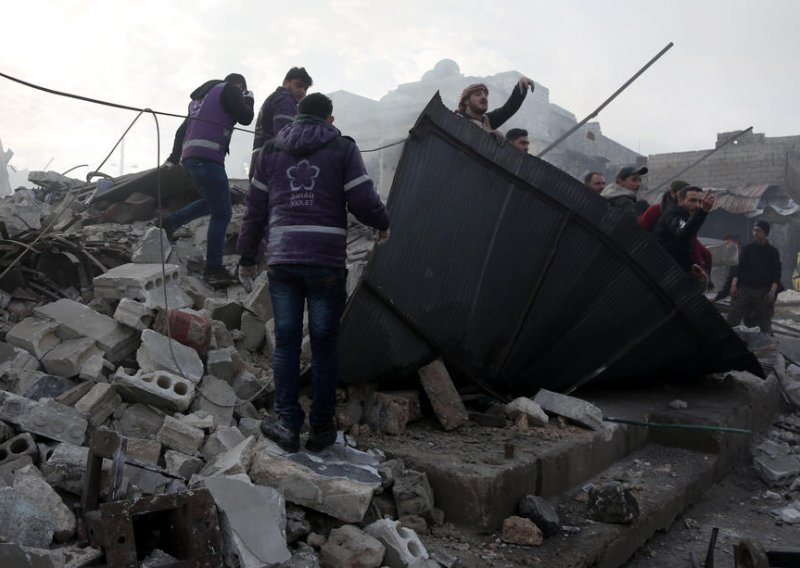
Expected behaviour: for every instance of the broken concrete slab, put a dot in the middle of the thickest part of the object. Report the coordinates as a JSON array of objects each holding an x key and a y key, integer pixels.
[
  {"x": 227, "y": 311},
  {"x": 67, "y": 358},
  {"x": 77, "y": 320},
  {"x": 182, "y": 465},
  {"x": 152, "y": 248},
  {"x": 29, "y": 482},
  {"x": 254, "y": 332},
  {"x": 234, "y": 461},
  {"x": 524, "y": 405},
  {"x": 22, "y": 521},
  {"x": 12, "y": 357},
  {"x": 259, "y": 302},
  {"x": 249, "y": 522},
  {"x": 223, "y": 363},
  {"x": 775, "y": 463},
  {"x": 66, "y": 468},
  {"x": 180, "y": 437},
  {"x": 34, "y": 335},
  {"x": 413, "y": 494},
  {"x": 221, "y": 440},
  {"x": 50, "y": 419},
  {"x": 341, "y": 485},
  {"x": 579, "y": 411},
  {"x": 140, "y": 421},
  {"x": 160, "y": 353},
  {"x": 142, "y": 451},
  {"x": 216, "y": 398},
  {"x": 443, "y": 395}
]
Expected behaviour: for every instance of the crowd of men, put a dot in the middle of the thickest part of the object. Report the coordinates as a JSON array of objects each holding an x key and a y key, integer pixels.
[{"x": 305, "y": 177}]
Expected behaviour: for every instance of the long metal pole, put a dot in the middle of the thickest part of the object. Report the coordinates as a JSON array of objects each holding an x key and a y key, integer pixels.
[
  {"x": 607, "y": 101},
  {"x": 693, "y": 164}
]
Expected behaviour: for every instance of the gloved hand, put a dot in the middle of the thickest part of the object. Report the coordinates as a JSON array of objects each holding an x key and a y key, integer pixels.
[
  {"x": 246, "y": 276},
  {"x": 382, "y": 237}
]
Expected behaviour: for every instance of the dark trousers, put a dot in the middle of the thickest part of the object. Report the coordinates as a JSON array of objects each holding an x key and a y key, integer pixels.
[{"x": 752, "y": 302}]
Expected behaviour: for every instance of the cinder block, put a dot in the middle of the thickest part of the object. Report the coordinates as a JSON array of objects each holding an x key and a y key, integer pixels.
[
  {"x": 17, "y": 447},
  {"x": 160, "y": 388},
  {"x": 403, "y": 546},
  {"x": 35, "y": 336},
  {"x": 134, "y": 314},
  {"x": 144, "y": 283}
]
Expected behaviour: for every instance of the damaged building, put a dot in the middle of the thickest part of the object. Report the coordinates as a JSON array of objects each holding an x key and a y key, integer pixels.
[{"x": 754, "y": 177}]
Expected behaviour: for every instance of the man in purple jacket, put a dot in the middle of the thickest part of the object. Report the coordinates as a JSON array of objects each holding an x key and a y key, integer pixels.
[
  {"x": 203, "y": 140},
  {"x": 305, "y": 182},
  {"x": 279, "y": 109}
]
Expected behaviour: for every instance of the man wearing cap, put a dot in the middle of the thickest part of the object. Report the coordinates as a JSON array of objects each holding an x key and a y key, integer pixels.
[
  {"x": 474, "y": 104},
  {"x": 595, "y": 181},
  {"x": 755, "y": 286},
  {"x": 677, "y": 228},
  {"x": 279, "y": 109},
  {"x": 202, "y": 142},
  {"x": 622, "y": 193},
  {"x": 519, "y": 139}
]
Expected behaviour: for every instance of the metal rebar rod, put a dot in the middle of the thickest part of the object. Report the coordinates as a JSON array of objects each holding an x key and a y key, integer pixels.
[
  {"x": 693, "y": 164},
  {"x": 678, "y": 425},
  {"x": 606, "y": 102}
]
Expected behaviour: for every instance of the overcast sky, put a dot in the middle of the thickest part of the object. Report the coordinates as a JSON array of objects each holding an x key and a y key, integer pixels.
[{"x": 729, "y": 68}]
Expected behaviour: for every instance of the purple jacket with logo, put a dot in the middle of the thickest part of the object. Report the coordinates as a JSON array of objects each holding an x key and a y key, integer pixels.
[
  {"x": 210, "y": 121},
  {"x": 305, "y": 181}
]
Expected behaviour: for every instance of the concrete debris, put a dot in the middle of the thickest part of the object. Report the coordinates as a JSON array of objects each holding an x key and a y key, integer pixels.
[
  {"x": 403, "y": 546},
  {"x": 613, "y": 504},
  {"x": 775, "y": 463},
  {"x": 789, "y": 514},
  {"x": 386, "y": 413},
  {"x": 525, "y": 406},
  {"x": 443, "y": 395},
  {"x": 145, "y": 283},
  {"x": 154, "y": 247},
  {"x": 29, "y": 482},
  {"x": 518, "y": 530},
  {"x": 579, "y": 411},
  {"x": 349, "y": 546},
  {"x": 160, "y": 353},
  {"x": 542, "y": 513}
]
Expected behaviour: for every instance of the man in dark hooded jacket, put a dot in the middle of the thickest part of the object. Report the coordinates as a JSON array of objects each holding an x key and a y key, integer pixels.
[
  {"x": 202, "y": 142},
  {"x": 279, "y": 109},
  {"x": 305, "y": 182}
]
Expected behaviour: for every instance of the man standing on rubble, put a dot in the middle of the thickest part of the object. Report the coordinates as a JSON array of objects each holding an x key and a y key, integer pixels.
[
  {"x": 279, "y": 109},
  {"x": 203, "y": 140},
  {"x": 756, "y": 283},
  {"x": 474, "y": 104},
  {"x": 622, "y": 193},
  {"x": 676, "y": 229},
  {"x": 305, "y": 182}
]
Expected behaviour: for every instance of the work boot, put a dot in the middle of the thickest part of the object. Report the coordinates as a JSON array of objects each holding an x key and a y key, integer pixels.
[
  {"x": 321, "y": 437},
  {"x": 219, "y": 277},
  {"x": 286, "y": 438}
]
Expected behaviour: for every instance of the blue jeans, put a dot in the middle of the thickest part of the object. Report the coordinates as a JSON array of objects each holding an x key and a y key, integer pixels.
[
  {"x": 290, "y": 286},
  {"x": 211, "y": 181}
]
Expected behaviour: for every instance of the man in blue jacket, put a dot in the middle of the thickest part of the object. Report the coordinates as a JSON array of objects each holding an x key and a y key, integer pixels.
[
  {"x": 305, "y": 182},
  {"x": 203, "y": 141},
  {"x": 279, "y": 109}
]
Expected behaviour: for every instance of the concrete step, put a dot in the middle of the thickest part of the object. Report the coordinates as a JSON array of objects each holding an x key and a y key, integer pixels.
[{"x": 477, "y": 481}]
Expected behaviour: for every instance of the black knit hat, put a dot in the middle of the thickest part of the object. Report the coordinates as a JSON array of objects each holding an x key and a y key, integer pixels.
[{"x": 236, "y": 78}]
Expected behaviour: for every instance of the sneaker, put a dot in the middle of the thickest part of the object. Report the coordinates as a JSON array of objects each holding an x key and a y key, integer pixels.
[
  {"x": 219, "y": 277},
  {"x": 286, "y": 438},
  {"x": 321, "y": 437}
]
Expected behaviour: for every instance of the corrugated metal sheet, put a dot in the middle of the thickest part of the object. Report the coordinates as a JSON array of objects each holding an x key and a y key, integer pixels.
[
  {"x": 744, "y": 199},
  {"x": 520, "y": 277}
]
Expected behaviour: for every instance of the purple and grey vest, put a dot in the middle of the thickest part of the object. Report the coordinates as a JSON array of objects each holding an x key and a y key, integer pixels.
[{"x": 208, "y": 138}]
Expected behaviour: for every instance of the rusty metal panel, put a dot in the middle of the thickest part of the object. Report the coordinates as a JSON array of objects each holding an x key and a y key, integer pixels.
[
  {"x": 520, "y": 277},
  {"x": 185, "y": 525}
]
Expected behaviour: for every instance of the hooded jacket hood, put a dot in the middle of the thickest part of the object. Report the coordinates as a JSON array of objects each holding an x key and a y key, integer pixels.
[
  {"x": 203, "y": 89},
  {"x": 616, "y": 190},
  {"x": 306, "y": 134}
]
